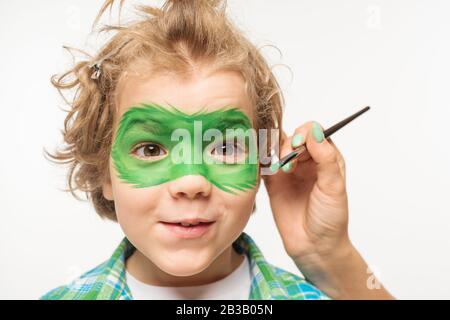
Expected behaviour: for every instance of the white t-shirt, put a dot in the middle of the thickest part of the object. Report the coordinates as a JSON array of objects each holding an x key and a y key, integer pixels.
[{"x": 235, "y": 286}]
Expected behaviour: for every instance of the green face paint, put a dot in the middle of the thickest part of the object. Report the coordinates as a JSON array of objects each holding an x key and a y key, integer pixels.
[{"x": 151, "y": 124}]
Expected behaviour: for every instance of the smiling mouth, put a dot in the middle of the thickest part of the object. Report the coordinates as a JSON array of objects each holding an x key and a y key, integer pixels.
[
  {"x": 192, "y": 229},
  {"x": 185, "y": 224}
]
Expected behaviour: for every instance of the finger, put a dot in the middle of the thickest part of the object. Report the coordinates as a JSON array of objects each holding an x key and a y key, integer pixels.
[
  {"x": 285, "y": 149},
  {"x": 340, "y": 158},
  {"x": 325, "y": 155},
  {"x": 299, "y": 139},
  {"x": 295, "y": 141}
]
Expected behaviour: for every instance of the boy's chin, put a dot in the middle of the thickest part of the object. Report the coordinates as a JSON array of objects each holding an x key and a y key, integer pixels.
[{"x": 184, "y": 266}]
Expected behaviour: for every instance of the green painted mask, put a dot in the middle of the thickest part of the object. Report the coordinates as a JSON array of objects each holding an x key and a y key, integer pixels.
[{"x": 203, "y": 134}]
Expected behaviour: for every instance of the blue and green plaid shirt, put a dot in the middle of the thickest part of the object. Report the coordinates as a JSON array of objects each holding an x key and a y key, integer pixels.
[{"x": 108, "y": 280}]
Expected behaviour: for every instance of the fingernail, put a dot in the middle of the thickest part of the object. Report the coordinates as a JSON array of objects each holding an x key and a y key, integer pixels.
[
  {"x": 317, "y": 132},
  {"x": 296, "y": 141},
  {"x": 287, "y": 167},
  {"x": 274, "y": 166}
]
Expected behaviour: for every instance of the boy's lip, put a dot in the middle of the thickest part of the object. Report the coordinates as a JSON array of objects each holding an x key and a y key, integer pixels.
[
  {"x": 189, "y": 231},
  {"x": 189, "y": 221}
]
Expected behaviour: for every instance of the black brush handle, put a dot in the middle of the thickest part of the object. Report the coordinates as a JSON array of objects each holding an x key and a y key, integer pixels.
[{"x": 328, "y": 132}]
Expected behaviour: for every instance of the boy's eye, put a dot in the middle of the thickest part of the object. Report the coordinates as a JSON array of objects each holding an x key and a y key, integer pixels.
[
  {"x": 228, "y": 152},
  {"x": 149, "y": 151}
]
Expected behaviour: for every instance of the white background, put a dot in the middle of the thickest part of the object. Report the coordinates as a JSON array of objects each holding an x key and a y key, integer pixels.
[{"x": 391, "y": 55}]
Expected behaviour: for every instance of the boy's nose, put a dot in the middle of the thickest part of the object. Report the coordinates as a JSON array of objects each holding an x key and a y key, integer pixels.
[{"x": 190, "y": 186}]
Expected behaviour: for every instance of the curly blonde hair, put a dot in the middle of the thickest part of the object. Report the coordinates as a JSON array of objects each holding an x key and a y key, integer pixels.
[{"x": 174, "y": 37}]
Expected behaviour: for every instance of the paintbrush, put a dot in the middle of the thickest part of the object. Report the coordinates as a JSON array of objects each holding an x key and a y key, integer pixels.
[{"x": 328, "y": 132}]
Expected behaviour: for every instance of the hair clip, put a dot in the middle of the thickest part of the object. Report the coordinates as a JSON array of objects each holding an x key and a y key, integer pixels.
[
  {"x": 98, "y": 64},
  {"x": 97, "y": 70}
]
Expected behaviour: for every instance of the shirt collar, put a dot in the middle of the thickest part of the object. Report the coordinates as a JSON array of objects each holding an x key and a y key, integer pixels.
[{"x": 265, "y": 284}]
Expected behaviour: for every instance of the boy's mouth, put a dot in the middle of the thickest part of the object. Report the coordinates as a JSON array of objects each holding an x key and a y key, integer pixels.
[
  {"x": 189, "y": 228},
  {"x": 190, "y": 222}
]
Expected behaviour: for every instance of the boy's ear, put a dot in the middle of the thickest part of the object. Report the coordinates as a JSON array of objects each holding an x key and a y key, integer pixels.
[{"x": 107, "y": 190}]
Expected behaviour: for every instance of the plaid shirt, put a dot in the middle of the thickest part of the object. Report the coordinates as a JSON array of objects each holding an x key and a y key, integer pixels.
[{"x": 108, "y": 280}]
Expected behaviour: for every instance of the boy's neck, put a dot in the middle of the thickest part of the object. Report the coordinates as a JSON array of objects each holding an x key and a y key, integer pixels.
[{"x": 140, "y": 267}]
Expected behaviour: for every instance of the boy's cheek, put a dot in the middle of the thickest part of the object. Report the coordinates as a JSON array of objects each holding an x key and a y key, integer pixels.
[
  {"x": 135, "y": 206},
  {"x": 135, "y": 202}
]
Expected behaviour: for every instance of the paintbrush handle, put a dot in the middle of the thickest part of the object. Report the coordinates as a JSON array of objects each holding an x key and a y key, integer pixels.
[{"x": 328, "y": 132}]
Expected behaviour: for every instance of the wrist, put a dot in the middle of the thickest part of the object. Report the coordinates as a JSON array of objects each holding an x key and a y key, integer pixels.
[
  {"x": 325, "y": 252},
  {"x": 341, "y": 273},
  {"x": 329, "y": 268}
]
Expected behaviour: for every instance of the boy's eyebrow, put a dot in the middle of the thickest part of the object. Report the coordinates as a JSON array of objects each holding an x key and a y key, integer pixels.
[
  {"x": 148, "y": 125},
  {"x": 234, "y": 118},
  {"x": 225, "y": 123},
  {"x": 154, "y": 126}
]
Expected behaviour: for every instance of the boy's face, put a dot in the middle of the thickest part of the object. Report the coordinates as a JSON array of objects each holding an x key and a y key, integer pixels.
[{"x": 153, "y": 190}]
